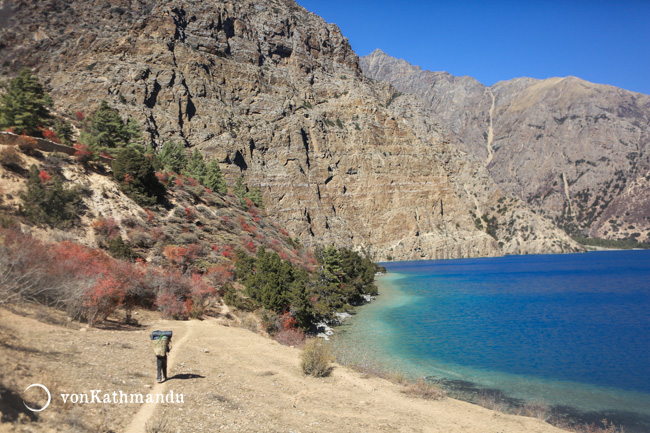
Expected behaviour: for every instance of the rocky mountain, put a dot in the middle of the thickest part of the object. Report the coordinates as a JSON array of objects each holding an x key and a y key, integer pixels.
[
  {"x": 574, "y": 151},
  {"x": 276, "y": 94}
]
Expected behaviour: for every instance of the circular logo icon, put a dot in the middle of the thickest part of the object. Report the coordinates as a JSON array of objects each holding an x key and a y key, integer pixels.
[{"x": 49, "y": 397}]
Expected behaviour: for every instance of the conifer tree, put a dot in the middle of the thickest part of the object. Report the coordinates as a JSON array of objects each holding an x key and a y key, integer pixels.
[
  {"x": 134, "y": 173},
  {"x": 173, "y": 156},
  {"x": 240, "y": 189},
  {"x": 214, "y": 178},
  {"x": 195, "y": 167},
  {"x": 107, "y": 128},
  {"x": 48, "y": 201},
  {"x": 134, "y": 130},
  {"x": 25, "y": 105}
]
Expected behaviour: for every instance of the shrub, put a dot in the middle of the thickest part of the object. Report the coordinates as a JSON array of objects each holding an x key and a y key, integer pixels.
[
  {"x": 47, "y": 201},
  {"x": 83, "y": 153},
  {"x": 27, "y": 144},
  {"x": 10, "y": 158},
  {"x": 426, "y": 390},
  {"x": 120, "y": 249},
  {"x": 25, "y": 105},
  {"x": 106, "y": 227},
  {"x": 290, "y": 337},
  {"x": 316, "y": 357}
]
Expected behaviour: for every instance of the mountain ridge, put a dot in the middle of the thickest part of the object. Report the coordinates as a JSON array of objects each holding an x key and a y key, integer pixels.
[
  {"x": 567, "y": 147},
  {"x": 274, "y": 93}
]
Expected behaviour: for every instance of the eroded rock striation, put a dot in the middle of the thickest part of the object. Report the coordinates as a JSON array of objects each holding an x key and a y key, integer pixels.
[
  {"x": 574, "y": 151},
  {"x": 276, "y": 94}
]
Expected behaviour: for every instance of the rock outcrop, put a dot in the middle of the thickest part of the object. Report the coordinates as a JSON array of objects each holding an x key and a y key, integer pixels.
[
  {"x": 573, "y": 150},
  {"x": 276, "y": 94}
]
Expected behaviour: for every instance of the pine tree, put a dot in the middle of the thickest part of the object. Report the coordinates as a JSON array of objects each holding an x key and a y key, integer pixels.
[
  {"x": 214, "y": 179},
  {"x": 25, "y": 105},
  {"x": 240, "y": 189},
  {"x": 64, "y": 131},
  {"x": 134, "y": 173},
  {"x": 48, "y": 201},
  {"x": 107, "y": 128},
  {"x": 195, "y": 167},
  {"x": 255, "y": 195},
  {"x": 173, "y": 157},
  {"x": 134, "y": 130}
]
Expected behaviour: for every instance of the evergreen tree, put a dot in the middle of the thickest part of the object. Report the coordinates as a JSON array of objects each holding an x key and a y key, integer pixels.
[
  {"x": 195, "y": 167},
  {"x": 134, "y": 130},
  {"x": 242, "y": 192},
  {"x": 173, "y": 157},
  {"x": 134, "y": 172},
  {"x": 64, "y": 131},
  {"x": 255, "y": 195},
  {"x": 48, "y": 201},
  {"x": 240, "y": 189},
  {"x": 25, "y": 105},
  {"x": 107, "y": 128},
  {"x": 214, "y": 179}
]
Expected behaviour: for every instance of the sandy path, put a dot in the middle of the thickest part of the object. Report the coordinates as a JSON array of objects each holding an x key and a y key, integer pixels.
[
  {"x": 231, "y": 379},
  {"x": 241, "y": 382},
  {"x": 139, "y": 422}
]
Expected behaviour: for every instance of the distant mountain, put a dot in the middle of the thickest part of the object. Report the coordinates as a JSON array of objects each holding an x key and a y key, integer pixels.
[
  {"x": 575, "y": 151},
  {"x": 274, "y": 93}
]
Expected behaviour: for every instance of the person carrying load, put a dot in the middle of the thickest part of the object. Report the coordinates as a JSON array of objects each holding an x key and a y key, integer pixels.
[{"x": 161, "y": 346}]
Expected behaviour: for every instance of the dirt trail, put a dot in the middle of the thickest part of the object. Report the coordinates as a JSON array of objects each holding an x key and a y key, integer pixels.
[
  {"x": 139, "y": 422},
  {"x": 231, "y": 380}
]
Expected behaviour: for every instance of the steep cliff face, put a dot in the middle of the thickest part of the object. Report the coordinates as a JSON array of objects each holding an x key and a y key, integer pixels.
[
  {"x": 275, "y": 93},
  {"x": 575, "y": 151}
]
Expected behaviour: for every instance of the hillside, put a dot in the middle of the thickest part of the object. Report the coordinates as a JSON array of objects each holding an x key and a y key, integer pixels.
[
  {"x": 574, "y": 151},
  {"x": 230, "y": 378},
  {"x": 274, "y": 93}
]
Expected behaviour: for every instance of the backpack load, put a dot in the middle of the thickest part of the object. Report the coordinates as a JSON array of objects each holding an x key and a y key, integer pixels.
[
  {"x": 160, "y": 340},
  {"x": 156, "y": 334}
]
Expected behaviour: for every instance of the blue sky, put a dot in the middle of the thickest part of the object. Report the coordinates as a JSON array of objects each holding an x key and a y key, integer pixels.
[{"x": 604, "y": 42}]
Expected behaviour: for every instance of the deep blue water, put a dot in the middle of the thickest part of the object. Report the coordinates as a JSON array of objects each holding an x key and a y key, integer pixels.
[{"x": 571, "y": 330}]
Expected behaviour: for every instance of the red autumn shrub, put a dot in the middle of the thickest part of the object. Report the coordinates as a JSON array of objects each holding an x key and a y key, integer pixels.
[
  {"x": 44, "y": 176},
  {"x": 150, "y": 216},
  {"x": 181, "y": 256},
  {"x": 190, "y": 181},
  {"x": 220, "y": 274},
  {"x": 284, "y": 232},
  {"x": 250, "y": 246},
  {"x": 190, "y": 214},
  {"x": 227, "y": 251},
  {"x": 79, "y": 115},
  {"x": 103, "y": 298},
  {"x": 288, "y": 321},
  {"x": 83, "y": 153},
  {"x": 50, "y": 135},
  {"x": 107, "y": 227}
]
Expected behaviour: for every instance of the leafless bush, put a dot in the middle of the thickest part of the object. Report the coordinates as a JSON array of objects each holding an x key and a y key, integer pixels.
[
  {"x": 10, "y": 158},
  {"x": 426, "y": 390},
  {"x": 316, "y": 358}
]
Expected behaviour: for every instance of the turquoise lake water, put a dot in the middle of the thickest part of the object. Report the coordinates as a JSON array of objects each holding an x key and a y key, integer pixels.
[{"x": 572, "y": 331}]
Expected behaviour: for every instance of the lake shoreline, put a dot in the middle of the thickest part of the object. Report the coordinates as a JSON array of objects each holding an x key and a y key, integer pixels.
[{"x": 472, "y": 391}]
